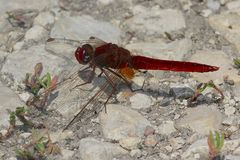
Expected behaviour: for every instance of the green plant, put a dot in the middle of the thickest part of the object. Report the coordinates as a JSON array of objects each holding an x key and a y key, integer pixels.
[
  {"x": 204, "y": 86},
  {"x": 40, "y": 146},
  {"x": 236, "y": 62},
  {"x": 35, "y": 84},
  {"x": 215, "y": 144}
]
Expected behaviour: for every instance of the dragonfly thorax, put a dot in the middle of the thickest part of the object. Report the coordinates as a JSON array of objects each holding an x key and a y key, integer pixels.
[{"x": 84, "y": 54}]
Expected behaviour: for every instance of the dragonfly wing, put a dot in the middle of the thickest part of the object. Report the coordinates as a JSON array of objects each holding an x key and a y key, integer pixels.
[{"x": 97, "y": 41}]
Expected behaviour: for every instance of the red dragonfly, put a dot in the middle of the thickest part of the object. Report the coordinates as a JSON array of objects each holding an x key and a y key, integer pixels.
[{"x": 120, "y": 62}]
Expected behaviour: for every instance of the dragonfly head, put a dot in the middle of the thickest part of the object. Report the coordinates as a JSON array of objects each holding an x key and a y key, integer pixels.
[{"x": 84, "y": 54}]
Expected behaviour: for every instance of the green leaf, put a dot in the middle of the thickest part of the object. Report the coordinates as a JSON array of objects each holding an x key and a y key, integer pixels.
[
  {"x": 40, "y": 147},
  {"x": 217, "y": 140},
  {"x": 12, "y": 118},
  {"x": 236, "y": 61}
]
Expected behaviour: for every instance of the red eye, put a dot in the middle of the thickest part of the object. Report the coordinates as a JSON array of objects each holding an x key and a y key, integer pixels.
[{"x": 79, "y": 54}]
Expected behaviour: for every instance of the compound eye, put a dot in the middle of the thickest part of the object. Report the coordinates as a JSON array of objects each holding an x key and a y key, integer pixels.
[{"x": 86, "y": 57}]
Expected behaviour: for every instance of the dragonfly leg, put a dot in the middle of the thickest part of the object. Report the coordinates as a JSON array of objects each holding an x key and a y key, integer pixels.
[
  {"x": 113, "y": 88},
  {"x": 90, "y": 78},
  {"x": 126, "y": 81}
]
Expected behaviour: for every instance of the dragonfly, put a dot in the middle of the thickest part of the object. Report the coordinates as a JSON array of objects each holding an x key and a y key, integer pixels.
[{"x": 116, "y": 62}]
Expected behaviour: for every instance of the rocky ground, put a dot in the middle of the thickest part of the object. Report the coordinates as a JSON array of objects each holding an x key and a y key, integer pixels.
[{"x": 156, "y": 123}]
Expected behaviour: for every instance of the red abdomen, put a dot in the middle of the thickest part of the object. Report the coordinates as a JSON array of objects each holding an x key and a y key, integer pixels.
[{"x": 140, "y": 62}]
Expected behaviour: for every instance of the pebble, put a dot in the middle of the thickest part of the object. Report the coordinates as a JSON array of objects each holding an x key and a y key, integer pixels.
[
  {"x": 135, "y": 153},
  {"x": 214, "y": 57},
  {"x": 151, "y": 141},
  {"x": 93, "y": 149},
  {"x": 201, "y": 119},
  {"x": 25, "y": 135},
  {"x": 36, "y": 33},
  {"x": 233, "y": 5},
  {"x": 154, "y": 20},
  {"x": 228, "y": 121},
  {"x": 121, "y": 122},
  {"x": 177, "y": 143},
  {"x": 230, "y": 110},
  {"x": 130, "y": 143},
  {"x": 181, "y": 92},
  {"x": 59, "y": 135},
  {"x": 149, "y": 130},
  {"x": 66, "y": 154},
  {"x": 140, "y": 101},
  {"x": 9, "y": 101},
  {"x": 168, "y": 148},
  {"x": 206, "y": 12},
  {"x": 44, "y": 19},
  {"x": 166, "y": 128}
]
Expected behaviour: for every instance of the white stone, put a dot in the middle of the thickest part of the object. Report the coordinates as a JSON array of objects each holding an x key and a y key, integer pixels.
[
  {"x": 83, "y": 27},
  {"x": 233, "y": 5},
  {"x": 154, "y": 20},
  {"x": 135, "y": 152},
  {"x": 8, "y": 5},
  {"x": 25, "y": 96},
  {"x": 213, "y": 4},
  {"x": 25, "y": 135},
  {"x": 201, "y": 119},
  {"x": 122, "y": 122},
  {"x": 44, "y": 19},
  {"x": 59, "y": 135},
  {"x": 230, "y": 110},
  {"x": 9, "y": 100},
  {"x": 92, "y": 149},
  {"x": 222, "y": 22},
  {"x": 215, "y": 58},
  {"x": 159, "y": 49},
  {"x": 166, "y": 128},
  {"x": 237, "y": 151},
  {"x": 36, "y": 33},
  {"x": 206, "y": 12},
  {"x": 177, "y": 143},
  {"x": 228, "y": 120},
  {"x": 66, "y": 154},
  {"x": 130, "y": 143},
  {"x": 22, "y": 62},
  {"x": 139, "y": 101},
  {"x": 168, "y": 148}
]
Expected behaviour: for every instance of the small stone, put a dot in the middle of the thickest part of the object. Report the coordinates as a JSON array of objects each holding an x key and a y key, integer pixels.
[
  {"x": 181, "y": 92},
  {"x": 130, "y": 143},
  {"x": 166, "y": 128},
  {"x": 45, "y": 19},
  {"x": 149, "y": 130},
  {"x": 176, "y": 116},
  {"x": 168, "y": 148},
  {"x": 197, "y": 156},
  {"x": 213, "y": 4},
  {"x": 66, "y": 154},
  {"x": 233, "y": 5},
  {"x": 230, "y": 110},
  {"x": 206, "y": 12},
  {"x": 139, "y": 101},
  {"x": 228, "y": 121},
  {"x": 232, "y": 129},
  {"x": 120, "y": 122},
  {"x": 165, "y": 102},
  {"x": 25, "y": 96},
  {"x": 135, "y": 153},
  {"x": 177, "y": 143},
  {"x": 201, "y": 119},
  {"x": 12, "y": 158},
  {"x": 93, "y": 149},
  {"x": 36, "y": 33},
  {"x": 151, "y": 141},
  {"x": 25, "y": 135},
  {"x": 58, "y": 136},
  {"x": 237, "y": 151}
]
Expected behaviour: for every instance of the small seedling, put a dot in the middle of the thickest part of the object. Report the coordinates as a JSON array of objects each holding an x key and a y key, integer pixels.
[
  {"x": 35, "y": 84},
  {"x": 19, "y": 114},
  {"x": 40, "y": 146},
  {"x": 236, "y": 62},
  {"x": 215, "y": 144},
  {"x": 204, "y": 86}
]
